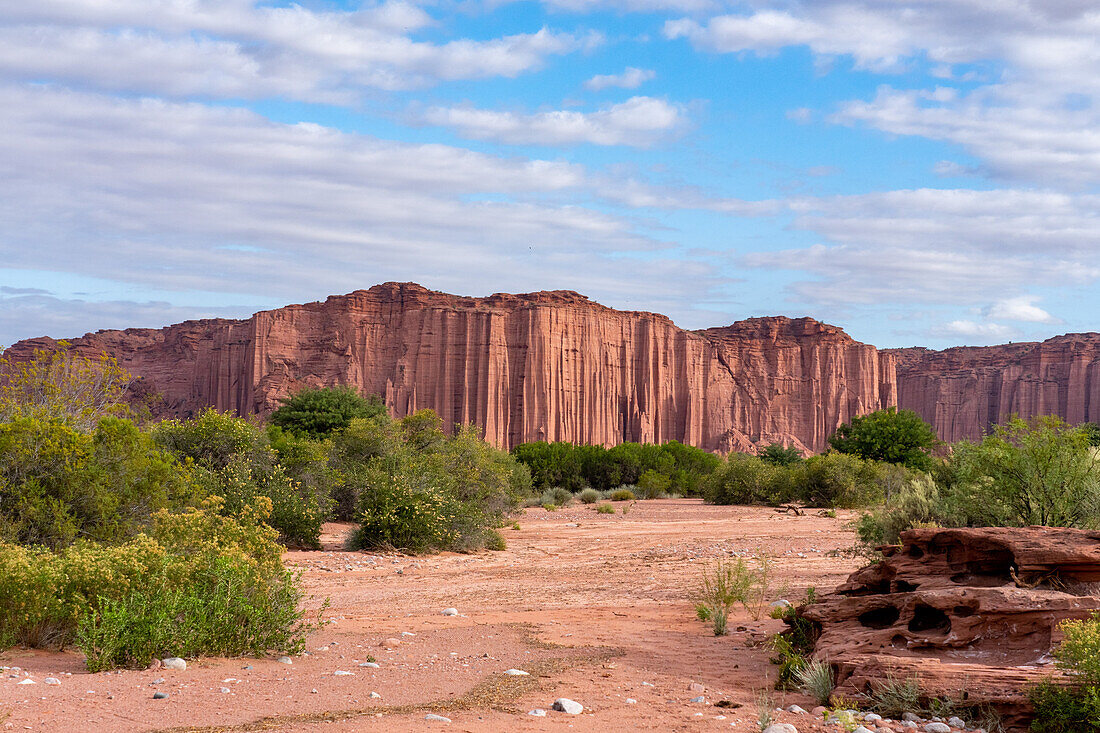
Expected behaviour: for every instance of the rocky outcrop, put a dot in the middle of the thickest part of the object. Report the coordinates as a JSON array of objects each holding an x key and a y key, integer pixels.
[
  {"x": 540, "y": 366},
  {"x": 963, "y": 392},
  {"x": 976, "y": 604},
  {"x": 556, "y": 366}
]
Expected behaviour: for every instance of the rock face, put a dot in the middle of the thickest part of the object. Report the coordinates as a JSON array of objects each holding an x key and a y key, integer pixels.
[
  {"x": 975, "y": 604},
  {"x": 556, "y": 366},
  {"x": 961, "y": 392},
  {"x": 541, "y": 366}
]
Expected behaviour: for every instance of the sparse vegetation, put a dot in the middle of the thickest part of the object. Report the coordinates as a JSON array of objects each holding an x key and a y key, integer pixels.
[
  {"x": 815, "y": 678},
  {"x": 605, "y": 509},
  {"x": 727, "y": 583},
  {"x": 589, "y": 496},
  {"x": 622, "y": 495},
  {"x": 1061, "y": 709}
]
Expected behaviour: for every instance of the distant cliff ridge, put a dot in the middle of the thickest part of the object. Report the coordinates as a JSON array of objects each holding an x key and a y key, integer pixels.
[{"x": 557, "y": 366}]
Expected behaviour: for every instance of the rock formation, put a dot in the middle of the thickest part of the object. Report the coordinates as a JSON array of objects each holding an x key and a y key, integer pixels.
[
  {"x": 961, "y": 392},
  {"x": 541, "y": 366},
  {"x": 556, "y": 366},
  {"x": 947, "y": 605}
]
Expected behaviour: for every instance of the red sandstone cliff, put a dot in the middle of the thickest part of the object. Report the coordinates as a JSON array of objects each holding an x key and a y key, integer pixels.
[
  {"x": 541, "y": 366},
  {"x": 963, "y": 391},
  {"x": 556, "y": 366}
]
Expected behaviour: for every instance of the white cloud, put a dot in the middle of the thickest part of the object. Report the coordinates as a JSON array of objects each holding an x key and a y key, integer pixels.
[
  {"x": 1020, "y": 308},
  {"x": 1034, "y": 117},
  {"x": 241, "y": 49},
  {"x": 183, "y": 197},
  {"x": 974, "y": 331},
  {"x": 637, "y": 122},
  {"x": 631, "y": 78},
  {"x": 945, "y": 246}
]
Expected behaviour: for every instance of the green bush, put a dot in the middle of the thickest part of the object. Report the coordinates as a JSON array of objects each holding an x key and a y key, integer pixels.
[
  {"x": 588, "y": 496},
  {"x": 323, "y": 411},
  {"x": 58, "y": 484},
  {"x": 837, "y": 480},
  {"x": 622, "y": 495},
  {"x": 605, "y": 509},
  {"x": 654, "y": 485},
  {"x": 745, "y": 479},
  {"x": 425, "y": 492},
  {"x": 234, "y": 459},
  {"x": 778, "y": 454},
  {"x": 890, "y": 436},
  {"x": 197, "y": 583},
  {"x": 558, "y": 497}
]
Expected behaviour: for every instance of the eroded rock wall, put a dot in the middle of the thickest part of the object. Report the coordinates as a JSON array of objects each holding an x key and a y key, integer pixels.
[
  {"x": 964, "y": 391},
  {"x": 541, "y": 366}
]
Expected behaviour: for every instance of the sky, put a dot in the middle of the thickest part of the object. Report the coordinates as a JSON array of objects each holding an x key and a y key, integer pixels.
[{"x": 918, "y": 173}]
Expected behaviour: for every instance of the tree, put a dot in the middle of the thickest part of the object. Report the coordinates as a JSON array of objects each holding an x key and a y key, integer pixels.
[
  {"x": 889, "y": 435},
  {"x": 778, "y": 454},
  {"x": 320, "y": 412},
  {"x": 63, "y": 385}
]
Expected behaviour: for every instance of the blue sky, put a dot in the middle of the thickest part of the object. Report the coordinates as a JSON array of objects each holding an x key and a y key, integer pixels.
[{"x": 917, "y": 173}]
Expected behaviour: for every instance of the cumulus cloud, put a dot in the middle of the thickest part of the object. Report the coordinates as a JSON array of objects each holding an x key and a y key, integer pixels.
[
  {"x": 631, "y": 78},
  {"x": 1034, "y": 115},
  {"x": 1020, "y": 308},
  {"x": 243, "y": 49},
  {"x": 637, "y": 122}
]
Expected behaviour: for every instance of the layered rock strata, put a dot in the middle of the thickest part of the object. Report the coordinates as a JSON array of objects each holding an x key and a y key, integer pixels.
[
  {"x": 541, "y": 366},
  {"x": 978, "y": 607}
]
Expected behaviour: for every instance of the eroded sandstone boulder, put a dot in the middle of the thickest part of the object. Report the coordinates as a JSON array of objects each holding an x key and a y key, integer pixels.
[{"x": 971, "y": 612}]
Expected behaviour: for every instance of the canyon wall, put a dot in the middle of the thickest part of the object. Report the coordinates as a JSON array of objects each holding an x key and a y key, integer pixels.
[
  {"x": 963, "y": 391},
  {"x": 556, "y": 366}
]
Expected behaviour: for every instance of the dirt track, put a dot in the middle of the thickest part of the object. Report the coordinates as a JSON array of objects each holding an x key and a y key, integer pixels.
[{"x": 598, "y": 608}]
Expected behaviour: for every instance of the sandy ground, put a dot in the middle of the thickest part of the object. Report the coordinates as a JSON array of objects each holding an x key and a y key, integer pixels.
[{"x": 597, "y": 608}]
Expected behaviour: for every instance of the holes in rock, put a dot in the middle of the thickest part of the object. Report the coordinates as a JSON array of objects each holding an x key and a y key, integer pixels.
[
  {"x": 926, "y": 618},
  {"x": 903, "y": 587},
  {"x": 880, "y": 618},
  {"x": 964, "y": 611},
  {"x": 899, "y": 641},
  {"x": 915, "y": 552}
]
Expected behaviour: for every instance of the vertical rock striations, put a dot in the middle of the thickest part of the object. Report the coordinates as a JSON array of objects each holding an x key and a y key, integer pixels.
[
  {"x": 541, "y": 366},
  {"x": 556, "y": 366},
  {"x": 964, "y": 391}
]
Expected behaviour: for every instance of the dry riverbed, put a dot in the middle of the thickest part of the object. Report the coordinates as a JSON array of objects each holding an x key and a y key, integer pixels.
[{"x": 597, "y": 608}]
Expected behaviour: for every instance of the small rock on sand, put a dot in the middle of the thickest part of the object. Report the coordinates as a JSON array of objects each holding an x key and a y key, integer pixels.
[
  {"x": 565, "y": 705},
  {"x": 781, "y": 728},
  {"x": 538, "y": 713},
  {"x": 286, "y": 660},
  {"x": 516, "y": 672},
  {"x": 160, "y": 695},
  {"x": 174, "y": 663},
  {"x": 437, "y": 718},
  {"x": 450, "y": 611}
]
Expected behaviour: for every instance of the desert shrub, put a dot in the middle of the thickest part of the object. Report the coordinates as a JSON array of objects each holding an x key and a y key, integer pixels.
[
  {"x": 558, "y": 496},
  {"x": 893, "y": 697},
  {"x": 890, "y": 436},
  {"x": 838, "y": 480},
  {"x": 793, "y": 646},
  {"x": 234, "y": 459},
  {"x": 778, "y": 454},
  {"x": 654, "y": 485},
  {"x": 574, "y": 467},
  {"x": 432, "y": 494},
  {"x": 622, "y": 495},
  {"x": 730, "y": 582},
  {"x": 605, "y": 509},
  {"x": 815, "y": 678},
  {"x": 1061, "y": 709},
  {"x": 197, "y": 583},
  {"x": 1042, "y": 472},
  {"x": 550, "y": 507},
  {"x": 58, "y": 484},
  {"x": 745, "y": 479},
  {"x": 60, "y": 385},
  {"x": 589, "y": 496},
  {"x": 323, "y": 411}
]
